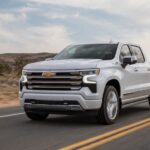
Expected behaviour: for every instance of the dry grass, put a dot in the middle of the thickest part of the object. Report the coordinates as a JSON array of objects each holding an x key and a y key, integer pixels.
[
  {"x": 9, "y": 80},
  {"x": 8, "y": 92}
]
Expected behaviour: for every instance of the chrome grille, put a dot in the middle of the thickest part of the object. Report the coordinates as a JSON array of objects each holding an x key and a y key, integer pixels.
[{"x": 61, "y": 81}]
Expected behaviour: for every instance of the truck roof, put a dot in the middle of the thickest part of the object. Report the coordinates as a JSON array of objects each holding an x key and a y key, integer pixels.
[
  {"x": 121, "y": 43},
  {"x": 129, "y": 43}
]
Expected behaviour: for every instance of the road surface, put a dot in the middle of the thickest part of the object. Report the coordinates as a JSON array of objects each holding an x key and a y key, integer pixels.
[{"x": 17, "y": 132}]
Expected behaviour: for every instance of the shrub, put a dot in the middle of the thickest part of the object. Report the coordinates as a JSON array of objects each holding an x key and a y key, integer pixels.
[
  {"x": 20, "y": 62},
  {"x": 5, "y": 68}
]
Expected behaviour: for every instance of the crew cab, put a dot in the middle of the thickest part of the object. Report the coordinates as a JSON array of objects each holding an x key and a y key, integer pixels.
[{"x": 101, "y": 78}]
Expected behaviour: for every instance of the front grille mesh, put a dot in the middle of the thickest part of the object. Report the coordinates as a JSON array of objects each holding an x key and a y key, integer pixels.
[{"x": 61, "y": 81}]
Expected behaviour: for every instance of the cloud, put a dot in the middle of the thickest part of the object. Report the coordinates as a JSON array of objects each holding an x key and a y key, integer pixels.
[
  {"x": 133, "y": 9},
  {"x": 50, "y": 38},
  {"x": 59, "y": 15},
  {"x": 94, "y": 4},
  {"x": 108, "y": 5},
  {"x": 44, "y": 25},
  {"x": 6, "y": 17},
  {"x": 26, "y": 9}
]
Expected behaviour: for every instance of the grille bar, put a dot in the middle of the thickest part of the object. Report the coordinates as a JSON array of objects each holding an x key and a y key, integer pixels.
[
  {"x": 53, "y": 87},
  {"x": 56, "y": 77},
  {"x": 61, "y": 81},
  {"x": 55, "y": 82}
]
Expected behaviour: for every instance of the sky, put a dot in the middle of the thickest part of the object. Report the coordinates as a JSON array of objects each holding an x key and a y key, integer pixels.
[{"x": 51, "y": 25}]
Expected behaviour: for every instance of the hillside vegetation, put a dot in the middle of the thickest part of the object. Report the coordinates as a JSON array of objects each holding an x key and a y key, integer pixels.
[{"x": 10, "y": 71}]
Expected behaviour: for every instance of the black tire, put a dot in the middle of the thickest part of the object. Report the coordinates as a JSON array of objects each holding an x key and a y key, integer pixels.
[
  {"x": 103, "y": 116},
  {"x": 36, "y": 116}
]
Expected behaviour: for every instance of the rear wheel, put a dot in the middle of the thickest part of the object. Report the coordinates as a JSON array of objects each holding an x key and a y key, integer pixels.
[
  {"x": 36, "y": 116},
  {"x": 109, "y": 111}
]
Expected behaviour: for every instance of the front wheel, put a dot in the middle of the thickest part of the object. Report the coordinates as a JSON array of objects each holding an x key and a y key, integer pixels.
[
  {"x": 36, "y": 116},
  {"x": 109, "y": 111}
]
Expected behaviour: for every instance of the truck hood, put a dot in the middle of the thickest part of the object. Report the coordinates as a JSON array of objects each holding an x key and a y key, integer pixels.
[{"x": 69, "y": 64}]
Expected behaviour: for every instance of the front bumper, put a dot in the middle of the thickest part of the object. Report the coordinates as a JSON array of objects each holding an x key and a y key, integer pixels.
[
  {"x": 85, "y": 100},
  {"x": 53, "y": 108}
]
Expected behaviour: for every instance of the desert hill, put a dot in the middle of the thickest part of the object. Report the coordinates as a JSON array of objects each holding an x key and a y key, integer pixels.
[{"x": 10, "y": 58}]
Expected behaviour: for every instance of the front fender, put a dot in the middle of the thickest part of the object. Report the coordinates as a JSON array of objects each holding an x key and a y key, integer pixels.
[{"x": 106, "y": 76}]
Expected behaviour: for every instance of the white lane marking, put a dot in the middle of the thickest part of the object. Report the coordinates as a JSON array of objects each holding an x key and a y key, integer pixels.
[{"x": 11, "y": 115}]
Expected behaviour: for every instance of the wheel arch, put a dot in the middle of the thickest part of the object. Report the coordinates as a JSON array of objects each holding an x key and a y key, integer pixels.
[{"x": 115, "y": 83}]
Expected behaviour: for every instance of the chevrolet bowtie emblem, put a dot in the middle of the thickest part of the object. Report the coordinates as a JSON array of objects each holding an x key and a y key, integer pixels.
[{"x": 48, "y": 74}]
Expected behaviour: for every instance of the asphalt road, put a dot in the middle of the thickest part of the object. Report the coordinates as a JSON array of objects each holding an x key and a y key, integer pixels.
[{"x": 17, "y": 132}]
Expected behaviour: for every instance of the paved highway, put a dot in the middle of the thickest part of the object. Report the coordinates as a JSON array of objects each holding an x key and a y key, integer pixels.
[{"x": 132, "y": 131}]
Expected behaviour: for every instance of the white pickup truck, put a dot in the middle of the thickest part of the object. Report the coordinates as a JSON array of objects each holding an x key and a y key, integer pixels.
[{"x": 100, "y": 78}]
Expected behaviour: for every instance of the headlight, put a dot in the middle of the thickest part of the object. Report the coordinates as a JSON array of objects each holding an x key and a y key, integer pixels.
[
  {"x": 89, "y": 76},
  {"x": 90, "y": 72},
  {"x": 24, "y": 77},
  {"x": 24, "y": 72}
]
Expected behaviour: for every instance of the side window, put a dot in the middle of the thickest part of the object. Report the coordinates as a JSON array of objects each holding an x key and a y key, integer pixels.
[
  {"x": 124, "y": 52},
  {"x": 138, "y": 53}
]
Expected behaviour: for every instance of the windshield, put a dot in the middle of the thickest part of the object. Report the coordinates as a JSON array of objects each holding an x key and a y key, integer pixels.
[{"x": 92, "y": 51}]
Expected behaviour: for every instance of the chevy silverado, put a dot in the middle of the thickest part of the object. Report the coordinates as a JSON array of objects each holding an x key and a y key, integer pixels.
[{"x": 100, "y": 78}]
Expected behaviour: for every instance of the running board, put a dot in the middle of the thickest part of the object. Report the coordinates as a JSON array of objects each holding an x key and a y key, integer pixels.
[{"x": 135, "y": 103}]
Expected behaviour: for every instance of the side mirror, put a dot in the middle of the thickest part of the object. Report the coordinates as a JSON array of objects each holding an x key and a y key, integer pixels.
[{"x": 129, "y": 60}]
